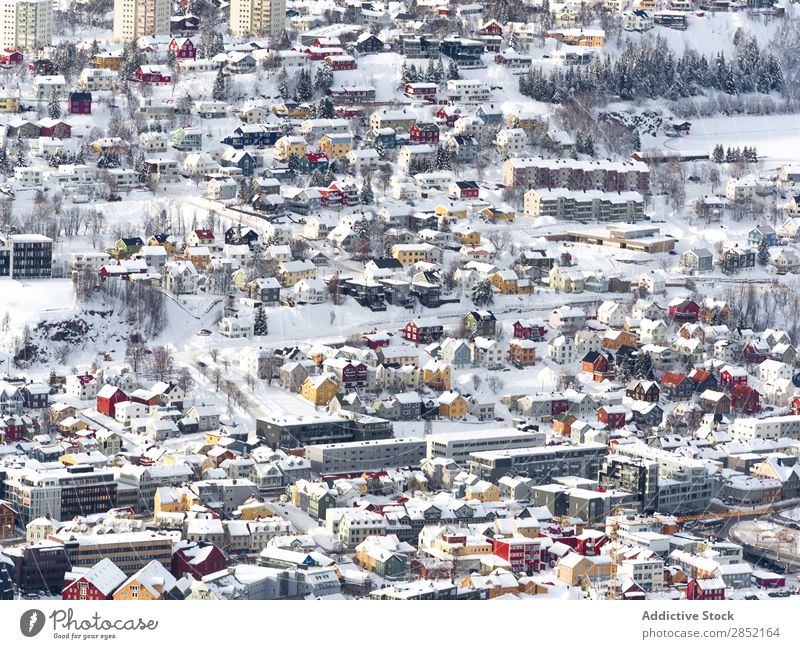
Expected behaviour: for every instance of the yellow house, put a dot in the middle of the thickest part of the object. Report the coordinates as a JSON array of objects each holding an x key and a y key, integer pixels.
[
  {"x": 484, "y": 491},
  {"x": 466, "y": 235},
  {"x": 336, "y": 145},
  {"x": 174, "y": 500},
  {"x": 506, "y": 281},
  {"x": 409, "y": 254},
  {"x": 319, "y": 390},
  {"x": 498, "y": 582},
  {"x": 451, "y": 211},
  {"x": 148, "y": 584},
  {"x": 526, "y": 121},
  {"x": 290, "y": 145},
  {"x": 496, "y": 215},
  {"x": 457, "y": 545},
  {"x": 9, "y": 105},
  {"x": 108, "y": 61},
  {"x": 573, "y": 567},
  {"x": 436, "y": 374},
  {"x": 293, "y": 271},
  {"x": 253, "y": 509},
  {"x": 452, "y": 405},
  {"x": 164, "y": 241}
]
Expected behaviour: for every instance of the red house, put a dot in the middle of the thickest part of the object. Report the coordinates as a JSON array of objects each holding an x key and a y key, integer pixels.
[
  {"x": 529, "y": 330},
  {"x": 766, "y": 579},
  {"x": 491, "y": 28},
  {"x": 796, "y": 406},
  {"x": 589, "y": 542},
  {"x": 418, "y": 331},
  {"x": 424, "y": 133},
  {"x": 49, "y": 127},
  {"x": 684, "y": 310},
  {"x": 376, "y": 340},
  {"x": 448, "y": 115},
  {"x": 424, "y": 91},
  {"x": 12, "y": 428},
  {"x": 524, "y": 554},
  {"x": 196, "y": 559},
  {"x": 10, "y": 57},
  {"x": 354, "y": 375},
  {"x": 108, "y": 398},
  {"x": 183, "y": 48},
  {"x": 756, "y": 351},
  {"x": 98, "y": 583},
  {"x": 152, "y": 74},
  {"x": 732, "y": 375},
  {"x": 706, "y": 589},
  {"x": 465, "y": 189},
  {"x": 348, "y": 112},
  {"x": 347, "y": 191},
  {"x": 612, "y": 416},
  {"x": 79, "y": 103},
  {"x": 341, "y": 62},
  {"x": 745, "y": 399}
]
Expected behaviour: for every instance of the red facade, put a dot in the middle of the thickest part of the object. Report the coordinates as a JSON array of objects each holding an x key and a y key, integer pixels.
[
  {"x": 79, "y": 103},
  {"x": 183, "y": 49},
  {"x": 107, "y": 404},
  {"x": 82, "y": 589},
  {"x": 729, "y": 380},
  {"x": 10, "y": 57},
  {"x": 695, "y": 590},
  {"x": 686, "y": 311},
  {"x": 611, "y": 419},
  {"x": 427, "y": 134},
  {"x": 745, "y": 399},
  {"x": 340, "y": 63},
  {"x": 354, "y": 375},
  {"x": 148, "y": 75},
  {"x": 60, "y": 130},
  {"x": 524, "y": 554},
  {"x": 197, "y": 561}
]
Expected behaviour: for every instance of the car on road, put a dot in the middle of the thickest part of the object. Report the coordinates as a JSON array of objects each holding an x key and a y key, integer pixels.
[{"x": 204, "y": 332}]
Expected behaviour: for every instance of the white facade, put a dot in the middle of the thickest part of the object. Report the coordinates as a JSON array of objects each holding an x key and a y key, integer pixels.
[
  {"x": 258, "y": 17},
  {"x": 136, "y": 18},
  {"x": 26, "y": 24}
]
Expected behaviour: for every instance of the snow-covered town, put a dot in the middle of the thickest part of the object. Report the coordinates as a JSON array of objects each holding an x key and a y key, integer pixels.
[{"x": 343, "y": 299}]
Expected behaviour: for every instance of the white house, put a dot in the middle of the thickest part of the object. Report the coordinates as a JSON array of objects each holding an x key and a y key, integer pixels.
[{"x": 311, "y": 291}]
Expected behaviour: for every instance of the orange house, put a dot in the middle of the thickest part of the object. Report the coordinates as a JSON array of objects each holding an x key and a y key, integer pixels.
[
  {"x": 200, "y": 256},
  {"x": 613, "y": 339},
  {"x": 452, "y": 405},
  {"x": 522, "y": 352}
]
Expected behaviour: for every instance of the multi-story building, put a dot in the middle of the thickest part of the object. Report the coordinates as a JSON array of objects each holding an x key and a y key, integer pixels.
[
  {"x": 530, "y": 173},
  {"x": 684, "y": 484},
  {"x": 366, "y": 456},
  {"x": 296, "y": 432},
  {"x": 26, "y": 256},
  {"x": 634, "y": 475},
  {"x": 136, "y": 18},
  {"x": 130, "y": 551},
  {"x": 591, "y": 205},
  {"x": 542, "y": 464},
  {"x": 257, "y": 17},
  {"x": 26, "y": 24},
  {"x": 459, "y": 446},
  {"x": 62, "y": 494}
]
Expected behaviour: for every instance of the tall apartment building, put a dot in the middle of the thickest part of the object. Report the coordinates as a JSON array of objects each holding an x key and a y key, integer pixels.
[
  {"x": 26, "y": 24},
  {"x": 26, "y": 256},
  {"x": 136, "y": 18},
  {"x": 368, "y": 455},
  {"x": 542, "y": 464},
  {"x": 258, "y": 17}
]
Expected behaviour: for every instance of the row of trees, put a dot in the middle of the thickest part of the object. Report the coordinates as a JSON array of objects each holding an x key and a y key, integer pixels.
[
  {"x": 735, "y": 154},
  {"x": 650, "y": 69}
]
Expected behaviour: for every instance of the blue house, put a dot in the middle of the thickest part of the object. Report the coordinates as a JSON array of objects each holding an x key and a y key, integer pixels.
[
  {"x": 760, "y": 232},
  {"x": 257, "y": 135},
  {"x": 241, "y": 159}
]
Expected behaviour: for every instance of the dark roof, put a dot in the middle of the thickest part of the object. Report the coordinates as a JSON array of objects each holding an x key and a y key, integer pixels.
[
  {"x": 386, "y": 263},
  {"x": 80, "y": 96}
]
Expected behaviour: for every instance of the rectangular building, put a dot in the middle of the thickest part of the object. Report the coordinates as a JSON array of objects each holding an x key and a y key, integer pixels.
[
  {"x": 459, "y": 446},
  {"x": 366, "y": 456},
  {"x": 26, "y": 256},
  {"x": 541, "y": 464}
]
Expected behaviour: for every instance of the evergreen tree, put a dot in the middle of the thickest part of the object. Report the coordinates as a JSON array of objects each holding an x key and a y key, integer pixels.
[
  {"x": 763, "y": 251},
  {"x": 440, "y": 73},
  {"x": 453, "y": 71},
  {"x": 304, "y": 89},
  {"x": 730, "y": 155},
  {"x": 54, "y": 105},
  {"x": 283, "y": 84},
  {"x": 245, "y": 192},
  {"x": 260, "y": 327},
  {"x": 323, "y": 79},
  {"x": 367, "y": 196},
  {"x": 483, "y": 293},
  {"x": 325, "y": 108},
  {"x": 718, "y": 154},
  {"x": 430, "y": 72},
  {"x": 141, "y": 167},
  {"x": 219, "y": 90},
  {"x": 442, "y": 160}
]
